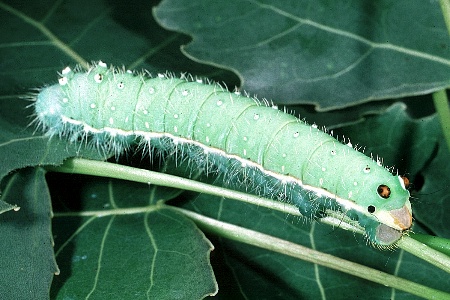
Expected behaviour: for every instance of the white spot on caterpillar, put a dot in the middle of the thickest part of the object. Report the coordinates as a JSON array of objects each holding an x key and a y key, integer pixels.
[
  {"x": 333, "y": 152},
  {"x": 314, "y": 126},
  {"x": 256, "y": 117},
  {"x": 282, "y": 169},
  {"x": 121, "y": 85},
  {"x": 175, "y": 129},
  {"x": 321, "y": 181},
  {"x": 66, "y": 70},
  {"x": 324, "y": 169},
  {"x": 145, "y": 112},
  {"x": 350, "y": 194},
  {"x": 199, "y": 80},
  {"x": 102, "y": 64},
  {"x": 207, "y": 139},
  {"x": 113, "y": 108},
  {"x": 161, "y": 75},
  {"x": 245, "y": 152},
  {"x": 274, "y": 106},
  {"x": 151, "y": 90},
  {"x": 185, "y": 93},
  {"x": 219, "y": 102},
  {"x": 111, "y": 121},
  {"x": 65, "y": 100},
  {"x": 126, "y": 119},
  {"x": 349, "y": 144},
  {"x": 175, "y": 116},
  {"x": 92, "y": 105},
  {"x": 63, "y": 81},
  {"x": 147, "y": 125},
  {"x": 98, "y": 78},
  {"x": 296, "y": 134},
  {"x": 208, "y": 125},
  {"x": 355, "y": 183},
  {"x": 367, "y": 170},
  {"x": 245, "y": 138},
  {"x": 284, "y": 155}
]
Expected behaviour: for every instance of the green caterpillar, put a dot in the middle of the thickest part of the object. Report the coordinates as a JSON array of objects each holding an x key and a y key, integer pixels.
[{"x": 114, "y": 109}]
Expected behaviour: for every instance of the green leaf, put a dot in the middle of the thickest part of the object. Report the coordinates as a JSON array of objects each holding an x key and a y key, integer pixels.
[
  {"x": 330, "y": 53},
  {"x": 434, "y": 204},
  {"x": 27, "y": 262},
  {"x": 154, "y": 254},
  {"x": 102, "y": 227}
]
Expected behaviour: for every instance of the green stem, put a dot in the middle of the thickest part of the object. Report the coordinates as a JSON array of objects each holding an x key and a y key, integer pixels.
[
  {"x": 440, "y": 97},
  {"x": 445, "y": 7},
  {"x": 442, "y": 108},
  {"x": 333, "y": 218},
  {"x": 425, "y": 252},
  {"x": 274, "y": 244},
  {"x": 111, "y": 170},
  {"x": 435, "y": 242}
]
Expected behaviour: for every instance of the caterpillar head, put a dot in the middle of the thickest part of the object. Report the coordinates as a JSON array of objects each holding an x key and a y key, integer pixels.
[
  {"x": 364, "y": 189},
  {"x": 393, "y": 220},
  {"x": 388, "y": 209}
]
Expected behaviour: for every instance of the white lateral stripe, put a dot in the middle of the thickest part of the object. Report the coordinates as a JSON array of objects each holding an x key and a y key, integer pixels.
[{"x": 345, "y": 203}]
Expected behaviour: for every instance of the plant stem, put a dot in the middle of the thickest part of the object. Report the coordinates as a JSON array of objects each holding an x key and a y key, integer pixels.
[
  {"x": 445, "y": 7},
  {"x": 275, "y": 244},
  {"x": 333, "y": 218},
  {"x": 111, "y": 170},
  {"x": 442, "y": 108},
  {"x": 426, "y": 253}
]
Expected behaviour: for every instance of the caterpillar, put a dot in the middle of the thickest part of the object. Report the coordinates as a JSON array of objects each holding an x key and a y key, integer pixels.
[{"x": 114, "y": 109}]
